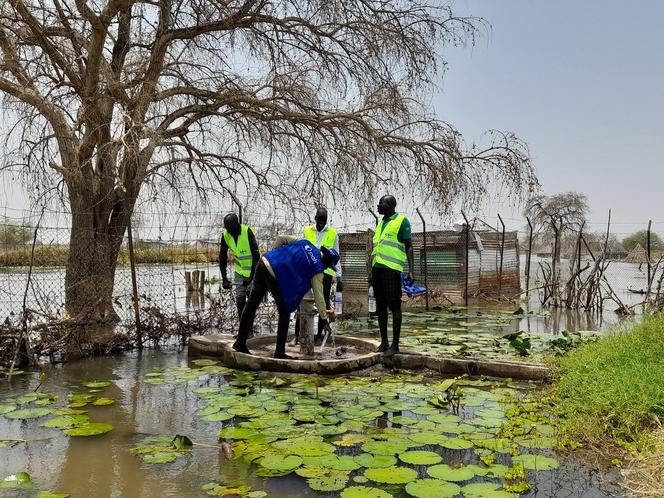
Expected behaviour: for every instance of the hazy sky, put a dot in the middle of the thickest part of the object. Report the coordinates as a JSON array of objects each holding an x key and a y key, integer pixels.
[{"x": 581, "y": 82}]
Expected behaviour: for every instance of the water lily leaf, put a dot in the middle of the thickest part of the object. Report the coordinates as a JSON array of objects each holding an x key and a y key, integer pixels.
[
  {"x": 160, "y": 457},
  {"x": 401, "y": 420},
  {"x": 391, "y": 475},
  {"x": 47, "y": 401},
  {"x": 486, "y": 490},
  {"x": 345, "y": 463},
  {"x": 375, "y": 461},
  {"x": 263, "y": 472},
  {"x": 281, "y": 462},
  {"x": 6, "y": 409},
  {"x": 536, "y": 462},
  {"x": 27, "y": 413},
  {"x": 155, "y": 382},
  {"x": 218, "y": 417},
  {"x": 350, "y": 440},
  {"x": 48, "y": 494},
  {"x": 420, "y": 457},
  {"x": 360, "y": 479},
  {"x": 536, "y": 442},
  {"x": 312, "y": 472},
  {"x": 386, "y": 447},
  {"x": 66, "y": 421},
  {"x": 10, "y": 443},
  {"x": 181, "y": 442},
  {"x": 204, "y": 362},
  {"x": 18, "y": 480},
  {"x": 236, "y": 432},
  {"x": 432, "y": 488},
  {"x": 103, "y": 401},
  {"x": 24, "y": 399},
  {"x": 305, "y": 446},
  {"x": 364, "y": 492},
  {"x": 90, "y": 429},
  {"x": 96, "y": 384},
  {"x": 427, "y": 438},
  {"x": 336, "y": 481},
  {"x": 447, "y": 473},
  {"x": 256, "y": 494},
  {"x": 457, "y": 444}
]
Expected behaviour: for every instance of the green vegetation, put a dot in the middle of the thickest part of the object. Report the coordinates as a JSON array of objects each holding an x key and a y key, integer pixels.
[
  {"x": 641, "y": 237},
  {"x": 610, "y": 393},
  {"x": 49, "y": 256}
]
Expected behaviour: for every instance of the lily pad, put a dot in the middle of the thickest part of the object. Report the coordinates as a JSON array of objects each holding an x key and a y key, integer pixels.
[
  {"x": 305, "y": 446},
  {"x": 96, "y": 384},
  {"x": 364, "y": 492},
  {"x": 103, "y": 402},
  {"x": 160, "y": 457},
  {"x": 281, "y": 462},
  {"x": 447, "y": 473},
  {"x": 375, "y": 461},
  {"x": 90, "y": 429},
  {"x": 486, "y": 490},
  {"x": 432, "y": 488},
  {"x": 18, "y": 480},
  {"x": 66, "y": 421},
  {"x": 344, "y": 463},
  {"x": 48, "y": 494},
  {"x": 427, "y": 438},
  {"x": 391, "y": 475},
  {"x": 6, "y": 409},
  {"x": 27, "y": 413},
  {"x": 420, "y": 457},
  {"x": 457, "y": 444},
  {"x": 386, "y": 447},
  {"x": 218, "y": 417},
  {"x": 536, "y": 462},
  {"x": 336, "y": 481}
]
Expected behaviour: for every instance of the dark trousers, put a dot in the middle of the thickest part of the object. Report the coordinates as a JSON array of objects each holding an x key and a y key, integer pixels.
[
  {"x": 327, "y": 291},
  {"x": 264, "y": 282},
  {"x": 387, "y": 288}
]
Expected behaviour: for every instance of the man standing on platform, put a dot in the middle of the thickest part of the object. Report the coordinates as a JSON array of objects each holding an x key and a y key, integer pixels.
[
  {"x": 241, "y": 240},
  {"x": 392, "y": 248}
]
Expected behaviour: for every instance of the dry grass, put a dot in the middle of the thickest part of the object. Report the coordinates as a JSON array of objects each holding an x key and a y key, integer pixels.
[{"x": 644, "y": 474}]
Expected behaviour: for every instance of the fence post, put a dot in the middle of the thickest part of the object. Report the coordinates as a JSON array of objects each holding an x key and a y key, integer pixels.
[
  {"x": 502, "y": 252},
  {"x": 648, "y": 252},
  {"x": 466, "y": 245},
  {"x": 134, "y": 285},
  {"x": 530, "y": 250},
  {"x": 424, "y": 253}
]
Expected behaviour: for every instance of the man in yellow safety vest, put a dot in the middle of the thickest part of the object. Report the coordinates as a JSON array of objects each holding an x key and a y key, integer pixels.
[
  {"x": 322, "y": 235},
  {"x": 392, "y": 248},
  {"x": 241, "y": 241}
]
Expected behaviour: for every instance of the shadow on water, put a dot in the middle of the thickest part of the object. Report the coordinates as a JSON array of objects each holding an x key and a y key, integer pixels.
[{"x": 103, "y": 466}]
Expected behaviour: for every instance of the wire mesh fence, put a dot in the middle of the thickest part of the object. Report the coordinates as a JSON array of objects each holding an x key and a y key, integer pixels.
[{"x": 467, "y": 262}]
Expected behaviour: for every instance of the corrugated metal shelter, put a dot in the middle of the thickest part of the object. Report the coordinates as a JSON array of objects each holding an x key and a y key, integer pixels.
[{"x": 444, "y": 264}]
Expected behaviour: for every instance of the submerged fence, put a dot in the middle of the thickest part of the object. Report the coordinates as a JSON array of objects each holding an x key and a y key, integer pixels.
[{"x": 473, "y": 261}]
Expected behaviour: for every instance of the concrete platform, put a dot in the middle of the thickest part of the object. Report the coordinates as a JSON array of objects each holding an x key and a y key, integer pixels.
[{"x": 351, "y": 354}]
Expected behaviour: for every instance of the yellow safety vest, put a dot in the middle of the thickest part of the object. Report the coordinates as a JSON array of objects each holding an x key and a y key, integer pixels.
[
  {"x": 241, "y": 251},
  {"x": 387, "y": 250},
  {"x": 328, "y": 241}
]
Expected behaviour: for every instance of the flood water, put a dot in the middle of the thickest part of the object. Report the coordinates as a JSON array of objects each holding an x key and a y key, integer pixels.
[{"x": 146, "y": 405}]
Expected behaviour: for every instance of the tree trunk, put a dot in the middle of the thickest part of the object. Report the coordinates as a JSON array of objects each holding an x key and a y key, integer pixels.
[{"x": 96, "y": 237}]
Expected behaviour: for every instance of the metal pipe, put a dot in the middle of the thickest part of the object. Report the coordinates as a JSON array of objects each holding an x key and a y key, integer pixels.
[
  {"x": 424, "y": 252},
  {"x": 648, "y": 252},
  {"x": 530, "y": 251},
  {"x": 502, "y": 251},
  {"x": 466, "y": 245}
]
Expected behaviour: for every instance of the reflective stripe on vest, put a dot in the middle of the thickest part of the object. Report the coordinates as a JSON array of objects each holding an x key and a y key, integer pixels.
[
  {"x": 329, "y": 237},
  {"x": 241, "y": 251},
  {"x": 387, "y": 250}
]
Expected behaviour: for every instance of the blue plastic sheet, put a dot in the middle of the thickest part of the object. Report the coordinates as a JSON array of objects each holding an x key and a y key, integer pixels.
[{"x": 413, "y": 289}]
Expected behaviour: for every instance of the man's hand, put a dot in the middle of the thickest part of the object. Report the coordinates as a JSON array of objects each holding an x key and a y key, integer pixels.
[
  {"x": 340, "y": 285},
  {"x": 326, "y": 328},
  {"x": 409, "y": 278},
  {"x": 226, "y": 284},
  {"x": 330, "y": 315}
]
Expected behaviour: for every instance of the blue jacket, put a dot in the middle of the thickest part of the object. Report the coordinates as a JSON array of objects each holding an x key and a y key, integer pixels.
[{"x": 294, "y": 265}]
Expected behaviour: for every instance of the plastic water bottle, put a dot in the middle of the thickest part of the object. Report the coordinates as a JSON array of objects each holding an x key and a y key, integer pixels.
[
  {"x": 338, "y": 303},
  {"x": 372, "y": 300}
]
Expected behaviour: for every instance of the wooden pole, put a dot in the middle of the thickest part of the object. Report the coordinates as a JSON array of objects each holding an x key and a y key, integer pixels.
[{"x": 134, "y": 285}]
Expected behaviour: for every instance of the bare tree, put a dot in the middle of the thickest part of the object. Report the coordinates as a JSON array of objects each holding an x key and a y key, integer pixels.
[
  {"x": 295, "y": 99},
  {"x": 554, "y": 217}
]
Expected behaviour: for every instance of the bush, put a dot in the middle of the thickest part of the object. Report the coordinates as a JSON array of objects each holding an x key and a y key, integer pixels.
[{"x": 612, "y": 390}]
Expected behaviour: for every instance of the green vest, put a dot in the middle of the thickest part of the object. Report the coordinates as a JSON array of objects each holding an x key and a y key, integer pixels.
[
  {"x": 387, "y": 250},
  {"x": 241, "y": 251},
  {"x": 328, "y": 241}
]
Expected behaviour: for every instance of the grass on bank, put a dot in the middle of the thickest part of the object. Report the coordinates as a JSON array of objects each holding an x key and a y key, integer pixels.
[
  {"x": 50, "y": 256},
  {"x": 610, "y": 393}
]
